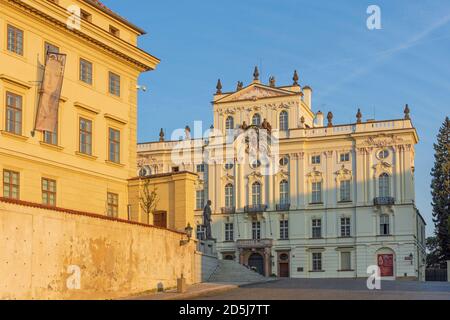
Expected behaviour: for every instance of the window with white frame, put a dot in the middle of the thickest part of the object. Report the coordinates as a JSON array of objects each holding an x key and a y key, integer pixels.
[
  {"x": 229, "y": 195},
  {"x": 316, "y": 192},
  {"x": 256, "y": 194},
  {"x": 229, "y": 232},
  {"x": 284, "y": 121},
  {"x": 317, "y": 261},
  {"x": 284, "y": 229},
  {"x": 200, "y": 168},
  {"x": 345, "y": 157},
  {"x": 229, "y": 123},
  {"x": 345, "y": 227},
  {"x": 344, "y": 191},
  {"x": 384, "y": 225},
  {"x": 346, "y": 261},
  {"x": 384, "y": 185},
  {"x": 317, "y": 228},
  {"x": 256, "y": 119},
  {"x": 201, "y": 232},
  {"x": 315, "y": 159},
  {"x": 284, "y": 192},
  {"x": 256, "y": 230},
  {"x": 199, "y": 199}
]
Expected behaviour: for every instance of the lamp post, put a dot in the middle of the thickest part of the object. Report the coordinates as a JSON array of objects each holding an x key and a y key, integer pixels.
[{"x": 188, "y": 230}]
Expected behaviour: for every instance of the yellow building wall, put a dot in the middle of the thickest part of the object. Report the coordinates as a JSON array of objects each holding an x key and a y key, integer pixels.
[{"x": 82, "y": 182}]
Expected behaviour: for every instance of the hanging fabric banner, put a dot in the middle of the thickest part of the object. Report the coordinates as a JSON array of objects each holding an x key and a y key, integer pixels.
[{"x": 50, "y": 94}]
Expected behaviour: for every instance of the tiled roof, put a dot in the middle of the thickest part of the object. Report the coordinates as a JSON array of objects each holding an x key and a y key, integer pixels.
[{"x": 99, "y": 5}]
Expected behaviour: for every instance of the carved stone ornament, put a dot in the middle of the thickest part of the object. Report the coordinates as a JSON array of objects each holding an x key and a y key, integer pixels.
[
  {"x": 343, "y": 174},
  {"x": 256, "y": 93},
  {"x": 315, "y": 175},
  {"x": 382, "y": 167},
  {"x": 255, "y": 176},
  {"x": 228, "y": 178},
  {"x": 383, "y": 141}
]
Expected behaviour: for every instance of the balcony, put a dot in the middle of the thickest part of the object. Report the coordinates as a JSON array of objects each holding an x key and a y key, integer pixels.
[
  {"x": 254, "y": 244},
  {"x": 283, "y": 207},
  {"x": 384, "y": 201},
  {"x": 228, "y": 210},
  {"x": 256, "y": 208}
]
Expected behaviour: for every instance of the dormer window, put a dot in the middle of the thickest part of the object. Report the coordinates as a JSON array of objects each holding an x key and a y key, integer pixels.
[
  {"x": 114, "y": 31},
  {"x": 84, "y": 15}
]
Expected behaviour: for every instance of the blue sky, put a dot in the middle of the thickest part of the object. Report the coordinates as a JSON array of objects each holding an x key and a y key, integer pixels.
[{"x": 327, "y": 41}]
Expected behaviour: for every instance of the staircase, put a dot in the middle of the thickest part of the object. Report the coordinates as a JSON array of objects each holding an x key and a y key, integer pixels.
[{"x": 232, "y": 272}]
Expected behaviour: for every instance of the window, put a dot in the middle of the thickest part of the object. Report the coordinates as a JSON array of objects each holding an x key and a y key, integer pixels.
[
  {"x": 315, "y": 159},
  {"x": 345, "y": 157},
  {"x": 256, "y": 120},
  {"x": 284, "y": 229},
  {"x": 346, "y": 262},
  {"x": 256, "y": 193},
  {"x": 345, "y": 191},
  {"x": 48, "y": 192},
  {"x": 86, "y": 71},
  {"x": 50, "y": 48},
  {"x": 229, "y": 232},
  {"x": 284, "y": 192},
  {"x": 345, "y": 227},
  {"x": 114, "y": 84},
  {"x": 317, "y": 228},
  {"x": 13, "y": 113},
  {"x": 384, "y": 185},
  {"x": 15, "y": 40},
  {"x": 384, "y": 225},
  {"x": 255, "y": 164},
  {"x": 114, "y": 145},
  {"x": 160, "y": 219},
  {"x": 229, "y": 166},
  {"x": 199, "y": 199},
  {"x": 229, "y": 195},
  {"x": 229, "y": 123},
  {"x": 175, "y": 169},
  {"x": 51, "y": 137},
  {"x": 85, "y": 136},
  {"x": 113, "y": 205},
  {"x": 11, "y": 184},
  {"x": 256, "y": 230},
  {"x": 201, "y": 232},
  {"x": 284, "y": 161},
  {"x": 85, "y": 15},
  {"x": 200, "y": 168},
  {"x": 317, "y": 261},
  {"x": 114, "y": 31},
  {"x": 316, "y": 188},
  {"x": 284, "y": 121},
  {"x": 383, "y": 154}
]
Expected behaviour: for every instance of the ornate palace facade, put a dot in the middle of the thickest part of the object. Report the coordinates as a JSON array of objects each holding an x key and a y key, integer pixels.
[{"x": 339, "y": 199}]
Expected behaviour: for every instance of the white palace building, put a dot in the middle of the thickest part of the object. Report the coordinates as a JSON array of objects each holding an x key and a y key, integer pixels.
[{"x": 340, "y": 200}]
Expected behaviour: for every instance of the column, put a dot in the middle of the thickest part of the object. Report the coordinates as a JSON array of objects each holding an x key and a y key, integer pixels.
[
  {"x": 293, "y": 180},
  {"x": 301, "y": 197}
]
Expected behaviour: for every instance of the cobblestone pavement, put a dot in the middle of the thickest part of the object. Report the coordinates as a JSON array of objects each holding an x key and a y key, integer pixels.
[{"x": 336, "y": 289}]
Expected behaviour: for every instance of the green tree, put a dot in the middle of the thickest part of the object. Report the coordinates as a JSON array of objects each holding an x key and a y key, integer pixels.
[
  {"x": 432, "y": 244},
  {"x": 441, "y": 191}
]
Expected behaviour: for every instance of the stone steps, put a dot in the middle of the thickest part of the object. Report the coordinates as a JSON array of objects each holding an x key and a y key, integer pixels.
[{"x": 231, "y": 271}]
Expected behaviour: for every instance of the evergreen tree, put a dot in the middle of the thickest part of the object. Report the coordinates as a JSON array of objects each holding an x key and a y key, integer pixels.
[{"x": 441, "y": 191}]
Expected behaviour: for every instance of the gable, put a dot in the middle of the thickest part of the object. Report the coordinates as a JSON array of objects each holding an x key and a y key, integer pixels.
[{"x": 255, "y": 92}]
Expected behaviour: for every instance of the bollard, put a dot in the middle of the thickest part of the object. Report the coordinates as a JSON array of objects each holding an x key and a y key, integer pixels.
[{"x": 181, "y": 285}]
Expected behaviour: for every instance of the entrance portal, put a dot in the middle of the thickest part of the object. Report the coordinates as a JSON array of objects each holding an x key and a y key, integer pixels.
[{"x": 257, "y": 261}]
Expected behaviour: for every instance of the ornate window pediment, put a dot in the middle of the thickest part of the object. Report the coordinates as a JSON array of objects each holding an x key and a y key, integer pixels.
[
  {"x": 227, "y": 178},
  {"x": 343, "y": 174},
  {"x": 315, "y": 176},
  {"x": 283, "y": 175},
  {"x": 255, "y": 176},
  {"x": 255, "y": 92},
  {"x": 382, "y": 167}
]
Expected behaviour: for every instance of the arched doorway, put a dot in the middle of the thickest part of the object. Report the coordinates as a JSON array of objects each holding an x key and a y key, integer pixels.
[
  {"x": 257, "y": 261},
  {"x": 229, "y": 257},
  {"x": 386, "y": 262}
]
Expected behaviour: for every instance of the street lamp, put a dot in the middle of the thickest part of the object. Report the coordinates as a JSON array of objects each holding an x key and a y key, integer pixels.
[{"x": 188, "y": 231}]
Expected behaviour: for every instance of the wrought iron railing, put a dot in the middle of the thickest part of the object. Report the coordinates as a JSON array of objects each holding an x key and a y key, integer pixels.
[
  {"x": 384, "y": 201},
  {"x": 261, "y": 243},
  {"x": 255, "y": 208},
  {"x": 228, "y": 210},
  {"x": 283, "y": 207}
]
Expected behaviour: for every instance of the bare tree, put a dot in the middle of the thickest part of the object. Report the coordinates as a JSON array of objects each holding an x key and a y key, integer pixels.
[{"x": 148, "y": 199}]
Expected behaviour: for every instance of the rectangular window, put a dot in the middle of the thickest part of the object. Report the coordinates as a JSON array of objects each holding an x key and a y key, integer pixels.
[
  {"x": 384, "y": 225},
  {"x": 86, "y": 71},
  {"x": 200, "y": 199},
  {"x": 13, "y": 113},
  {"x": 114, "y": 31},
  {"x": 346, "y": 262},
  {"x": 284, "y": 229},
  {"x": 113, "y": 205},
  {"x": 11, "y": 184},
  {"x": 317, "y": 261},
  {"x": 317, "y": 228},
  {"x": 50, "y": 48},
  {"x": 315, "y": 160},
  {"x": 316, "y": 192},
  {"x": 345, "y": 157},
  {"x": 15, "y": 40},
  {"x": 114, "y": 145},
  {"x": 114, "y": 84},
  {"x": 229, "y": 232},
  {"x": 345, "y": 191},
  {"x": 49, "y": 192},
  {"x": 200, "y": 168},
  {"x": 86, "y": 136},
  {"x": 256, "y": 230},
  {"x": 345, "y": 227},
  {"x": 201, "y": 232},
  {"x": 175, "y": 169},
  {"x": 51, "y": 137}
]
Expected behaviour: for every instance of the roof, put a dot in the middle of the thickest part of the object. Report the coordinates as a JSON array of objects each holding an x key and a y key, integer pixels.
[{"x": 99, "y": 5}]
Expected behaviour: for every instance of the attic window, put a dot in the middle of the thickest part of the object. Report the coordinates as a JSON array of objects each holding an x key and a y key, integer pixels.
[
  {"x": 114, "y": 31},
  {"x": 85, "y": 15}
]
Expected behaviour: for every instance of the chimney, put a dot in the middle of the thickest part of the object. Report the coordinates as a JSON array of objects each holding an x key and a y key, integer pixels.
[
  {"x": 319, "y": 119},
  {"x": 307, "y": 96}
]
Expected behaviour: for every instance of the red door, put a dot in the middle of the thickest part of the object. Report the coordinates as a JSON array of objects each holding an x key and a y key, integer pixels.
[
  {"x": 284, "y": 270},
  {"x": 386, "y": 264}
]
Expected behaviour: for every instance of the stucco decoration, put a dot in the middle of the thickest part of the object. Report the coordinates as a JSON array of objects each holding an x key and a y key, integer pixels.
[
  {"x": 256, "y": 93},
  {"x": 315, "y": 175},
  {"x": 255, "y": 177},
  {"x": 343, "y": 174},
  {"x": 382, "y": 167},
  {"x": 383, "y": 141}
]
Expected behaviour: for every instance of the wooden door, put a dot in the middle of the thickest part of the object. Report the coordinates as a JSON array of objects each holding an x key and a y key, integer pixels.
[
  {"x": 386, "y": 264},
  {"x": 283, "y": 270},
  {"x": 160, "y": 219}
]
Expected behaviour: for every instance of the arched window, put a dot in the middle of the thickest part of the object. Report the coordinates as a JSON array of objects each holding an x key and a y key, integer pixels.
[
  {"x": 229, "y": 195},
  {"x": 229, "y": 123},
  {"x": 284, "y": 192},
  {"x": 256, "y": 120},
  {"x": 384, "y": 187},
  {"x": 284, "y": 121},
  {"x": 256, "y": 193}
]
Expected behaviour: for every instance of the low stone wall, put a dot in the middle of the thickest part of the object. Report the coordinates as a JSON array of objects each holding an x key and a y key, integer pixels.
[
  {"x": 57, "y": 254},
  {"x": 205, "y": 265}
]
